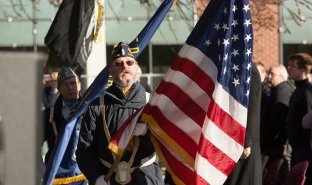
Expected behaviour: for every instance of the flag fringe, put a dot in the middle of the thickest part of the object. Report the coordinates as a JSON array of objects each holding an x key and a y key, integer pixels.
[
  {"x": 185, "y": 157},
  {"x": 97, "y": 37},
  {"x": 164, "y": 161}
]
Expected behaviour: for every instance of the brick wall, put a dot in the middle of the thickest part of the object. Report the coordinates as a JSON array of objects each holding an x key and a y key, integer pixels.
[{"x": 267, "y": 43}]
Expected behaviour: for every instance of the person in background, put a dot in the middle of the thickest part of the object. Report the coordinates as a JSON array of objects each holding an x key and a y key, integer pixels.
[
  {"x": 299, "y": 66},
  {"x": 264, "y": 78},
  {"x": 50, "y": 92},
  {"x": 307, "y": 123},
  {"x": 265, "y": 89},
  {"x": 265, "y": 97},
  {"x": 102, "y": 119},
  {"x": 69, "y": 87},
  {"x": 262, "y": 71},
  {"x": 273, "y": 131}
]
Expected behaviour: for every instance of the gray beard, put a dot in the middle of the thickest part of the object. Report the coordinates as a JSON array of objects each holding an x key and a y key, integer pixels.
[{"x": 123, "y": 82}]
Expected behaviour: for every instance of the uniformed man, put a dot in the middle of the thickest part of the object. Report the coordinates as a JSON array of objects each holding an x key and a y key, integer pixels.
[
  {"x": 104, "y": 117},
  {"x": 69, "y": 87}
]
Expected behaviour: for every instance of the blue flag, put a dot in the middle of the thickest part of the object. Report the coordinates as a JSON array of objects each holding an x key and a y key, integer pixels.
[{"x": 67, "y": 138}]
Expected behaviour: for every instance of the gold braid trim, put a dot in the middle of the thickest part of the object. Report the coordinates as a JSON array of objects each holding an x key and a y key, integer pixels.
[
  {"x": 162, "y": 134},
  {"x": 163, "y": 160},
  {"x": 68, "y": 180},
  {"x": 156, "y": 129}
]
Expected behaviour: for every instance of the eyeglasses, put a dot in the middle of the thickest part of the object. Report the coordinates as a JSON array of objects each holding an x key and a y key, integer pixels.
[{"x": 121, "y": 63}]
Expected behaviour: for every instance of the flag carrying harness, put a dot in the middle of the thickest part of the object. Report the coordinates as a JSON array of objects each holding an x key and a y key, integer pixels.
[{"x": 123, "y": 170}]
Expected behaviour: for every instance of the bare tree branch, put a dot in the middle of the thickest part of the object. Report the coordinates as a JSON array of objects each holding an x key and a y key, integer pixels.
[
  {"x": 264, "y": 16},
  {"x": 56, "y": 3},
  {"x": 19, "y": 11}
]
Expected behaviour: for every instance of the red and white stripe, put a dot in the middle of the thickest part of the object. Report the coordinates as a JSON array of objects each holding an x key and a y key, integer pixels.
[
  {"x": 200, "y": 127},
  {"x": 124, "y": 134}
]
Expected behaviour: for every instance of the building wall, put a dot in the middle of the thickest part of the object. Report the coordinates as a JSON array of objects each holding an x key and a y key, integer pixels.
[
  {"x": 267, "y": 43},
  {"x": 123, "y": 24}
]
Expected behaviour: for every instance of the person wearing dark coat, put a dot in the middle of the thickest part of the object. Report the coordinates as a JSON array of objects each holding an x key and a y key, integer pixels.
[
  {"x": 248, "y": 169},
  {"x": 273, "y": 133},
  {"x": 299, "y": 66},
  {"x": 104, "y": 117},
  {"x": 69, "y": 87}
]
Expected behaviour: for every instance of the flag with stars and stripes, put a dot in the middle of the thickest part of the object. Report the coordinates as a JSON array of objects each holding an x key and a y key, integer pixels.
[{"x": 198, "y": 113}]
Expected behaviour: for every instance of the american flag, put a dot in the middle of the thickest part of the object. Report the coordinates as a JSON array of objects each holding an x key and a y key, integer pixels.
[{"x": 198, "y": 114}]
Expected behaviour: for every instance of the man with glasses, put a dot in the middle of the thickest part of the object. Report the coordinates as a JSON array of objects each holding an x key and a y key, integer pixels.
[
  {"x": 299, "y": 66},
  {"x": 105, "y": 116}
]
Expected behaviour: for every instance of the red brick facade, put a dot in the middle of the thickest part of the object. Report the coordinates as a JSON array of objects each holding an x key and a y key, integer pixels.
[{"x": 267, "y": 43}]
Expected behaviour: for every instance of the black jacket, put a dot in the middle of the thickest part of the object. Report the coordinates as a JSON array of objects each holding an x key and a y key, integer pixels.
[
  {"x": 300, "y": 103},
  {"x": 58, "y": 119},
  {"x": 273, "y": 126}
]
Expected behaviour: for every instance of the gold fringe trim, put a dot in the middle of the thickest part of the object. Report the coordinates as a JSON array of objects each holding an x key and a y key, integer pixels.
[
  {"x": 68, "y": 180},
  {"x": 175, "y": 179},
  {"x": 97, "y": 37},
  {"x": 179, "y": 150},
  {"x": 162, "y": 134}
]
